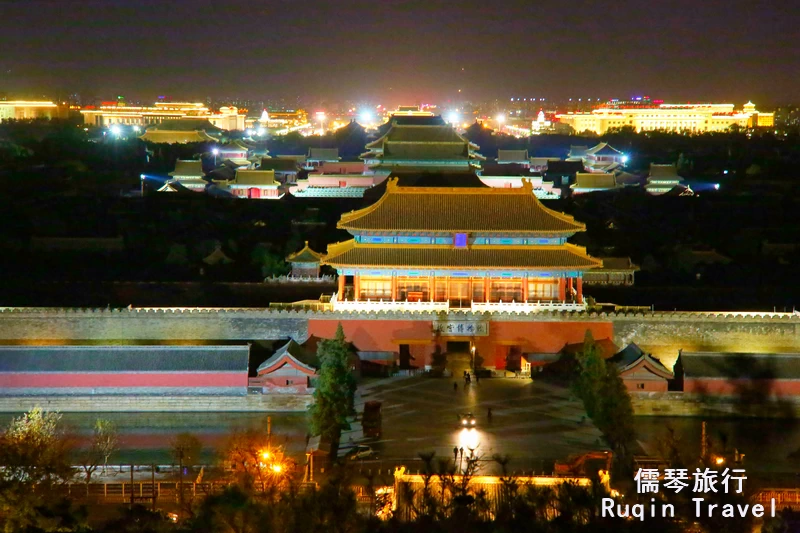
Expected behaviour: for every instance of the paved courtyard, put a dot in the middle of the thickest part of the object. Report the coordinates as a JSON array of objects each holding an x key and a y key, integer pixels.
[{"x": 532, "y": 422}]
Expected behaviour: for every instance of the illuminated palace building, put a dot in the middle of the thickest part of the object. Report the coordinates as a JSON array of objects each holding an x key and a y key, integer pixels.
[
  {"x": 696, "y": 118},
  {"x": 421, "y": 143},
  {"x": 471, "y": 248},
  {"x": 110, "y": 113},
  {"x": 20, "y": 110}
]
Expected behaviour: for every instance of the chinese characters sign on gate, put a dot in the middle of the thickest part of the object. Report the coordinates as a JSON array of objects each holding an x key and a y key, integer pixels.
[{"x": 461, "y": 328}]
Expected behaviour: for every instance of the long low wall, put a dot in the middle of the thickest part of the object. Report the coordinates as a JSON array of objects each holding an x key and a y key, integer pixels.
[
  {"x": 661, "y": 333},
  {"x": 681, "y": 404},
  {"x": 92, "y": 404},
  {"x": 169, "y": 324},
  {"x": 665, "y": 333}
]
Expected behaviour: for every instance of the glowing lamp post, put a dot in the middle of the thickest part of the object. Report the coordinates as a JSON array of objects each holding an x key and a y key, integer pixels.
[{"x": 215, "y": 151}]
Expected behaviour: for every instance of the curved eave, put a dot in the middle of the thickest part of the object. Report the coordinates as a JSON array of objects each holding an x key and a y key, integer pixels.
[
  {"x": 268, "y": 367},
  {"x": 651, "y": 366},
  {"x": 347, "y": 219},
  {"x": 306, "y": 254},
  {"x": 335, "y": 258}
]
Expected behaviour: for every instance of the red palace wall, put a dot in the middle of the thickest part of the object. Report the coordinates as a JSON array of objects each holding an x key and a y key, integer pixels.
[
  {"x": 523, "y": 337},
  {"x": 742, "y": 387},
  {"x": 651, "y": 385}
]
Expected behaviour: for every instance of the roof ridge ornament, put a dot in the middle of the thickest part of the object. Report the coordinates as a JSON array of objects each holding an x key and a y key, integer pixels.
[{"x": 527, "y": 186}]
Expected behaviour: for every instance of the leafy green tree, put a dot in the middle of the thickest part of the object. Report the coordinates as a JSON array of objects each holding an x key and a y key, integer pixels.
[
  {"x": 234, "y": 510},
  {"x": 270, "y": 263},
  {"x": 105, "y": 441},
  {"x": 604, "y": 397},
  {"x": 614, "y": 415},
  {"x": 334, "y": 391},
  {"x": 591, "y": 369},
  {"x": 34, "y": 452}
]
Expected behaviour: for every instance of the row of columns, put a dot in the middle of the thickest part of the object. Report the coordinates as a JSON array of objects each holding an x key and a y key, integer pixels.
[{"x": 565, "y": 286}]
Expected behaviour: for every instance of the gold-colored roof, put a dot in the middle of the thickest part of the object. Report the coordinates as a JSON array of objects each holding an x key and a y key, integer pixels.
[
  {"x": 176, "y": 137},
  {"x": 588, "y": 180},
  {"x": 444, "y": 133},
  {"x": 353, "y": 254},
  {"x": 255, "y": 177},
  {"x": 306, "y": 255},
  {"x": 460, "y": 209},
  {"x": 188, "y": 167}
]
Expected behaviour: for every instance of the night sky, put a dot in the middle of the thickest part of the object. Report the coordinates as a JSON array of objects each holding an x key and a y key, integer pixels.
[{"x": 392, "y": 51}]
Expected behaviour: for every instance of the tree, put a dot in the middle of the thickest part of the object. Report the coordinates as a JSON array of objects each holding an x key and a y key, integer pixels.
[
  {"x": 477, "y": 361},
  {"x": 105, "y": 441},
  {"x": 185, "y": 449},
  {"x": 334, "y": 391},
  {"x": 591, "y": 369},
  {"x": 604, "y": 397},
  {"x": 615, "y": 413},
  {"x": 35, "y": 454},
  {"x": 139, "y": 519},
  {"x": 254, "y": 460},
  {"x": 269, "y": 263}
]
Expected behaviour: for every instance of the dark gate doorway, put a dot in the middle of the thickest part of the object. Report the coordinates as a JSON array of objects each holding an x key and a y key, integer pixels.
[{"x": 458, "y": 346}]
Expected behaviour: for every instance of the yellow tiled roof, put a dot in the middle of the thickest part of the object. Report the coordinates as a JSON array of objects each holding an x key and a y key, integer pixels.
[
  {"x": 176, "y": 137},
  {"x": 306, "y": 255},
  {"x": 188, "y": 167},
  {"x": 419, "y": 134},
  {"x": 459, "y": 209},
  {"x": 588, "y": 180},
  {"x": 255, "y": 177},
  {"x": 350, "y": 253}
]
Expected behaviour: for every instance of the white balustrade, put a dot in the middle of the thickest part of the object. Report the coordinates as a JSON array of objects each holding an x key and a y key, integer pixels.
[
  {"x": 477, "y": 307},
  {"x": 525, "y": 307},
  {"x": 387, "y": 305}
]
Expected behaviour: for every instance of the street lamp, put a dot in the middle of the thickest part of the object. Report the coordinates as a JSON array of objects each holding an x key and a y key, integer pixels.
[
  {"x": 215, "y": 151},
  {"x": 141, "y": 183}
]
